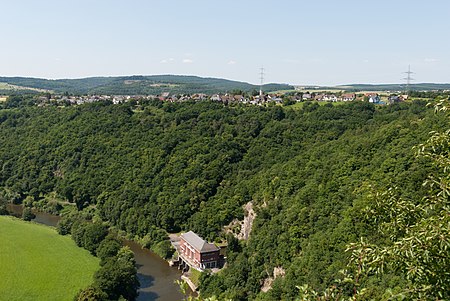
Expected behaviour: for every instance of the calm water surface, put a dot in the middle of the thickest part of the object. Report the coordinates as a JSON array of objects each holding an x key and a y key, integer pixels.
[{"x": 156, "y": 277}]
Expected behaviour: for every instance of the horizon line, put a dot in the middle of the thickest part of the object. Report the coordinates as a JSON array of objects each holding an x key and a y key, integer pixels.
[{"x": 210, "y": 77}]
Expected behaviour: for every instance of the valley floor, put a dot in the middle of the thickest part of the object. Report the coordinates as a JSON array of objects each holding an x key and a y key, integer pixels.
[{"x": 38, "y": 264}]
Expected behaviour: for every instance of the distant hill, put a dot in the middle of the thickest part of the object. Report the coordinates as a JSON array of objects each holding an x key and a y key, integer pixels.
[
  {"x": 175, "y": 84},
  {"x": 133, "y": 85},
  {"x": 394, "y": 87}
]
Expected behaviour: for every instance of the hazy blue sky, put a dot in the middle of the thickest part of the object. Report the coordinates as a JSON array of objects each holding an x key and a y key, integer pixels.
[{"x": 297, "y": 42}]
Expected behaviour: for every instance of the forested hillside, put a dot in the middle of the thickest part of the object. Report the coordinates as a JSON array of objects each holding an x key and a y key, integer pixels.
[
  {"x": 152, "y": 167},
  {"x": 134, "y": 85}
]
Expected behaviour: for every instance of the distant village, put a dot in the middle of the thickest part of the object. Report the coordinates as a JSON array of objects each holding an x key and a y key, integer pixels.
[{"x": 228, "y": 98}]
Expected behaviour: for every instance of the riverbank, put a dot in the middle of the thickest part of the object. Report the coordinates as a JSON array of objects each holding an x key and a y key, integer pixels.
[
  {"x": 156, "y": 277},
  {"x": 189, "y": 282}
]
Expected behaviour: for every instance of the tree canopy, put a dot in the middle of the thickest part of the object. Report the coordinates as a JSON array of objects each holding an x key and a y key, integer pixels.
[{"x": 154, "y": 167}]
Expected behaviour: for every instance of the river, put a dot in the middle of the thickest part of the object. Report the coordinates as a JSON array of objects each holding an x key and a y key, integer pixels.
[{"x": 156, "y": 277}]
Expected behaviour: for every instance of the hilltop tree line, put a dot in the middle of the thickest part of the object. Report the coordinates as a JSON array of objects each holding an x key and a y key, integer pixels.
[
  {"x": 136, "y": 85},
  {"x": 164, "y": 167}
]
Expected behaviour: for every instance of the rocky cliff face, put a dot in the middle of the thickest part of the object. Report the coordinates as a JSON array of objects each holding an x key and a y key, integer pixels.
[{"x": 246, "y": 224}]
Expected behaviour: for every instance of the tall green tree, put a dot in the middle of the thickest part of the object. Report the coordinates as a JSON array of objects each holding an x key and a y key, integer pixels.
[
  {"x": 108, "y": 248},
  {"x": 27, "y": 214},
  {"x": 91, "y": 293},
  {"x": 88, "y": 235},
  {"x": 418, "y": 229},
  {"x": 118, "y": 276},
  {"x": 3, "y": 210},
  {"x": 415, "y": 235}
]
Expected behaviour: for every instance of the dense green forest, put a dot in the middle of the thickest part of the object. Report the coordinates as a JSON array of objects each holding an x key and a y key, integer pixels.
[
  {"x": 136, "y": 85},
  {"x": 153, "y": 167}
]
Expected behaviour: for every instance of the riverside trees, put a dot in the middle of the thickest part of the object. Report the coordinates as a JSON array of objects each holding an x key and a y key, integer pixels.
[
  {"x": 117, "y": 276},
  {"x": 115, "y": 280}
]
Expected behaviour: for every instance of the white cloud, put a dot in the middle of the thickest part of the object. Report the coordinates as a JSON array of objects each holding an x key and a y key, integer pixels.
[
  {"x": 430, "y": 60},
  {"x": 187, "y": 61},
  {"x": 231, "y": 62}
]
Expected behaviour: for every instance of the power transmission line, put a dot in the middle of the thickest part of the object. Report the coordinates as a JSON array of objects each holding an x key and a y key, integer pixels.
[
  {"x": 261, "y": 77},
  {"x": 408, "y": 78}
]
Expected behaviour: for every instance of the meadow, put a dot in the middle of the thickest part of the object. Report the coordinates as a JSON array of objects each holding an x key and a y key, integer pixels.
[
  {"x": 38, "y": 264},
  {"x": 300, "y": 105},
  {"x": 7, "y": 88}
]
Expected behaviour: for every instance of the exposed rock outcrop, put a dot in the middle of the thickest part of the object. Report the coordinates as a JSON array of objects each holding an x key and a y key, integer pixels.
[
  {"x": 241, "y": 229},
  {"x": 267, "y": 284},
  {"x": 247, "y": 223}
]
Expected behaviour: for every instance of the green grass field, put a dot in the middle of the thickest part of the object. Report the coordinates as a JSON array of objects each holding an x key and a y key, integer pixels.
[
  {"x": 5, "y": 87},
  {"x": 299, "y": 105},
  {"x": 38, "y": 264}
]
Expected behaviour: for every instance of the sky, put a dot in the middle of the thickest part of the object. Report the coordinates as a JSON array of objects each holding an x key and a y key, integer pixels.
[{"x": 298, "y": 42}]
